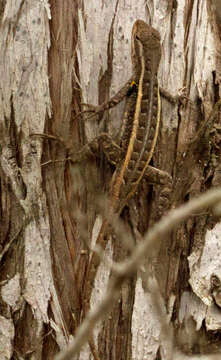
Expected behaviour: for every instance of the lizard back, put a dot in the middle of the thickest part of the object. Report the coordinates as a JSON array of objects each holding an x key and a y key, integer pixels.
[{"x": 141, "y": 116}]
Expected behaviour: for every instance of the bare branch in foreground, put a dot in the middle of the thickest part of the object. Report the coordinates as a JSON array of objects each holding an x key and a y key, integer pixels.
[{"x": 131, "y": 265}]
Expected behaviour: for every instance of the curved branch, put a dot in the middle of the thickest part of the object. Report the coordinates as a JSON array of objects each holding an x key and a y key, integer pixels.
[{"x": 129, "y": 267}]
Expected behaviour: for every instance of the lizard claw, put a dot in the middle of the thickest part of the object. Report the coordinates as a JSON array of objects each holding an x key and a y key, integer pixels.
[{"x": 182, "y": 97}]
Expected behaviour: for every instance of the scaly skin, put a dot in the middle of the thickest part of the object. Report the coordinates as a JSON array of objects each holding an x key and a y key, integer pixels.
[{"x": 140, "y": 135}]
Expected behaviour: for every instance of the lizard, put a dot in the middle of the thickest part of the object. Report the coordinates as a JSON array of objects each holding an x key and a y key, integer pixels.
[{"x": 140, "y": 127}]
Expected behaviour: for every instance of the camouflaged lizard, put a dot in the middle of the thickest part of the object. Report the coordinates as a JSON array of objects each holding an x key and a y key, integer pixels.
[{"x": 140, "y": 127}]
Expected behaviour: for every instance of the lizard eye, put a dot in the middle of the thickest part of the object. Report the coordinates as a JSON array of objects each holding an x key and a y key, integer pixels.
[{"x": 137, "y": 37}]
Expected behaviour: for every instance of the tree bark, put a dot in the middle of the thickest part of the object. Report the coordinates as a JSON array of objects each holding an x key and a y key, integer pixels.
[{"x": 53, "y": 57}]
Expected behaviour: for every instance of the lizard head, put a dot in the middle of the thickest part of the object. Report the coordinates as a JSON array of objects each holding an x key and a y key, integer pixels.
[
  {"x": 146, "y": 34},
  {"x": 145, "y": 41}
]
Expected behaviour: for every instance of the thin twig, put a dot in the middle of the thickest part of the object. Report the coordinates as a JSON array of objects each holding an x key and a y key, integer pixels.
[
  {"x": 55, "y": 161},
  {"x": 48, "y": 136},
  {"x": 129, "y": 267}
]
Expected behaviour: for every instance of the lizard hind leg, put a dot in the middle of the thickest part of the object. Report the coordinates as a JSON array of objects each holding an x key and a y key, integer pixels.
[
  {"x": 163, "y": 195},
  {"x": 155, "y": 176},
  {"x": 102, "y": 143},
  {"x": 112, "y": 151}
]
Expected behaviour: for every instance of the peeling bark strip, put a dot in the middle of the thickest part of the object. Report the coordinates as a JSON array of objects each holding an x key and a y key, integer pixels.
[
  {"x": 24, "y": 89},
  {"x": 25, "y": 252}
]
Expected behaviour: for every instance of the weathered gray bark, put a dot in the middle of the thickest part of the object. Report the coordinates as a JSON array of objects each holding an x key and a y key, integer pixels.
[{"x": 50, "y": 214}]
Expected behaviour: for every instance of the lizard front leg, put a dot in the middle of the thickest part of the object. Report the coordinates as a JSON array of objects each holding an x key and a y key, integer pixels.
[{"x": 127, "y": 89}]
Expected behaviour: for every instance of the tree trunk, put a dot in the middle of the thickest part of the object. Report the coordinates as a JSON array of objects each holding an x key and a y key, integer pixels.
[{"x": 52, "y": 59}]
